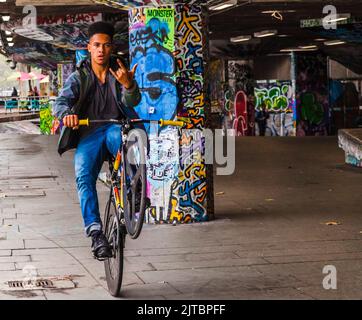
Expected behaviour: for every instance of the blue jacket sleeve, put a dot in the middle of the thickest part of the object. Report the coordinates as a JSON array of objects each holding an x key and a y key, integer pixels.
[
  {"x": 131, "y": 97},
  {"x": 68, "y": 97}
]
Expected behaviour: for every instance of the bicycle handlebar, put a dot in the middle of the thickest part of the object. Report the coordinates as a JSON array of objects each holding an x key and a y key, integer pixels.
[
  {"x": 162, "y": 123},
  {"x": 84, "y": 122},
  {"x": 171, "y": 123}
]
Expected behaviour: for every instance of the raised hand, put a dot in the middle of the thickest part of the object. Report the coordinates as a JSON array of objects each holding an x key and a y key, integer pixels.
[{"x": 124, "y": 76}]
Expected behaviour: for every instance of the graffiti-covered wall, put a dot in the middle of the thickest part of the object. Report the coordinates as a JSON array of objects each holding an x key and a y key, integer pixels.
[
  {"x": 277, "y": 97},
  {"x": 238, "y": 102},
  {"x": 167, "y": 44},
  {"x": 64, "y": 70},
  {"x": 217, "y": 84},
  {"x": 241, "y": 76},
  {"x": 312, "y": 95},
  {"x": 344, "y": 104}
]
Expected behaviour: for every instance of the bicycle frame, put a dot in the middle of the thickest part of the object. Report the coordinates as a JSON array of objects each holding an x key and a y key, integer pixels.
[
  {"x": 116, "y": 183},
  {"x": 123, "y": 184}
]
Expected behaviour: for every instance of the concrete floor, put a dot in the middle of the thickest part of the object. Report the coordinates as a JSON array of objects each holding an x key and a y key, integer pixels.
[{"x": 270, "y": 239}]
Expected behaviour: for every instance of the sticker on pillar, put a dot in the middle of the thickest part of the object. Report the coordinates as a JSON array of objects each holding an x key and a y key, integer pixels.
[
  {"x": 163, "y": 168},
  {"x": 151, "y": 110},
  {"x": 163, "y": 157}
]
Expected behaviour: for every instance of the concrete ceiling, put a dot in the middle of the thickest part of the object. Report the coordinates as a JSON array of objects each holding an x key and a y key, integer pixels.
[{"x": 245, "y": 18}]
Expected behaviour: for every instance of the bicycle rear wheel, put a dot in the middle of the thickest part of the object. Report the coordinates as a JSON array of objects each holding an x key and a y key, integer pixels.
[
  {"x": 134, "y": 184},
  {"x": 114, "y": 266}
]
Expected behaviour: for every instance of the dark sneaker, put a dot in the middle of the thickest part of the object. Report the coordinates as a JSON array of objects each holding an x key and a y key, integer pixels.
[{"x": 100, "y": 246}]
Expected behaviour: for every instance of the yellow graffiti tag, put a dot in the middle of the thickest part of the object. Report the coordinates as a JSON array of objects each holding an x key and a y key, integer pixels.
[
  {"x": 185, "y": 140},
  {"x": 199, "y": 100},
  {"x": 175, "y": 215},
  {"x": 197, "y": 170},
  {"x": 190, "y": 29},
  {"x": 201, "y": 193}
]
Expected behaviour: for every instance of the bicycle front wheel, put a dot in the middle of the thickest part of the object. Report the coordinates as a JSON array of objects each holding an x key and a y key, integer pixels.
[
  {"x": 114, "y": 266},
  {"x": 134, "y": 183}
]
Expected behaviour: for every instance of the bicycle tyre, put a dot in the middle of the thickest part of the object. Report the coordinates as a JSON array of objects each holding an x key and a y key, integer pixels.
[
  {"x": 134, "y": 182},
  {"x": 114, "y": 266}
]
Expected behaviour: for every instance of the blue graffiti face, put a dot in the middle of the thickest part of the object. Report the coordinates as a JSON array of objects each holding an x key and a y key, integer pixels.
[
  {"x": 155, "y": 73},
  {"x": 154, "y": 77}
]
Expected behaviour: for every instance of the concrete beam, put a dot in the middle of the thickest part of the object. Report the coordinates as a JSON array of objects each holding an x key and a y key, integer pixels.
[{"x": 36, "y": 3}]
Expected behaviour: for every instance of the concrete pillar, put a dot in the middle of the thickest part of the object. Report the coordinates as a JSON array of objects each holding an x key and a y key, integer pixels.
[
  {"x": 312, "y": 94},
  {"x": 170, "y": 46},
  {"x": 64, "y": 70}
]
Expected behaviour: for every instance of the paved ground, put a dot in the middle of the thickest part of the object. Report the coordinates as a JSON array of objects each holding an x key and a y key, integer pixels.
[
  {"x": 269, "y": 241},
  {"x": 17, "y": 116}
]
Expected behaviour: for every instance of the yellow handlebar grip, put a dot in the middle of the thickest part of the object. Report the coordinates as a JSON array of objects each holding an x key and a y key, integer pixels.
[
  {"x": 171, "y": 123},
  {"x": 84, "y": 122}
]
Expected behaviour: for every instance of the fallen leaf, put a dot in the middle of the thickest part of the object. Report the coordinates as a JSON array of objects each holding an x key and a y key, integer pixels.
[
  {"x": 220, "y": 193},
  {"x": 333, "y": 223}
]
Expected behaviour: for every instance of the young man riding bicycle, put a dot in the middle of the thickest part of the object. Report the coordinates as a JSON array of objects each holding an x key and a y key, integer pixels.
[{"x": 101, "y": 88}]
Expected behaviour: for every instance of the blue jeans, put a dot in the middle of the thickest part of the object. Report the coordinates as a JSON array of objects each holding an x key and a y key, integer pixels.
[{"x": 91, "y": 152}]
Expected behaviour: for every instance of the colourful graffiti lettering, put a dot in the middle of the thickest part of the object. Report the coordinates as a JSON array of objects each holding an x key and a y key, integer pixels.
[
  {"x": 275, "y": 97},
  {"x": 311, "y": 109},
  {"x": 190, "y": 187},
  {"x": 46, "y": 120}
]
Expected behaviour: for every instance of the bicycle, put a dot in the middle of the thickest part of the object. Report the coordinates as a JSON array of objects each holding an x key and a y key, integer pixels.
[{"x": 125, "y": 212}]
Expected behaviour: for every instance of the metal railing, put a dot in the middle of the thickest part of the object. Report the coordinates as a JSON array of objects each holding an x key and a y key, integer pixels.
[{"x": 31, "y": 103}]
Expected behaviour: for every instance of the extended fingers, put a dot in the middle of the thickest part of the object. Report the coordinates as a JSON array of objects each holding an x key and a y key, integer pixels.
[
  {"x": 134, "y": 69},
  {"x": 113, "y": 73},
  {"x": 121, "y": 65},
  {"x": 117, "y": 74}
]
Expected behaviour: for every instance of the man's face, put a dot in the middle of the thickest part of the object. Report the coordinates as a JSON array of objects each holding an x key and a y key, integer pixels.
[{"x": 100, "y": 48}]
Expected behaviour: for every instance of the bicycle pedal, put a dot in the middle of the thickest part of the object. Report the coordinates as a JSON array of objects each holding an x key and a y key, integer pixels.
[{"x": 99, "y": 259}]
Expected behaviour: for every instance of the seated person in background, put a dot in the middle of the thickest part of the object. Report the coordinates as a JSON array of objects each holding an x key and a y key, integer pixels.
[
  {"x": 261, "y": 119},
  {"x": 30, "y": 93},
  {"x": 14, "y": 94}
]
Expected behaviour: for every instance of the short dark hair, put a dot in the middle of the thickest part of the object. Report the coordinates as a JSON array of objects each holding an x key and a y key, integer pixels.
[{"x": 101, "y": 27}]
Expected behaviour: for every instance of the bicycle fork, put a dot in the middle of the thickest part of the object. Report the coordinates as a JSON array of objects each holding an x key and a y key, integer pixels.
[{"x": 117, "y": 190}]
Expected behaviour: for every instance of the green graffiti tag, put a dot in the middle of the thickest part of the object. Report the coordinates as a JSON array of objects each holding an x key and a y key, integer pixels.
[
  {"x": 311, "y": 110},
  {"x": 274, "y": 98},
  {"x": 46, "y": 119}
]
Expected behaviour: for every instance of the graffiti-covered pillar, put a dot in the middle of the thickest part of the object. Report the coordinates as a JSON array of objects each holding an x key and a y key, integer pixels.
[
  {"x": 312, "y": 95},
  {"x": 64, "y": 70},
  {"x": 171, "y": 51}
]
